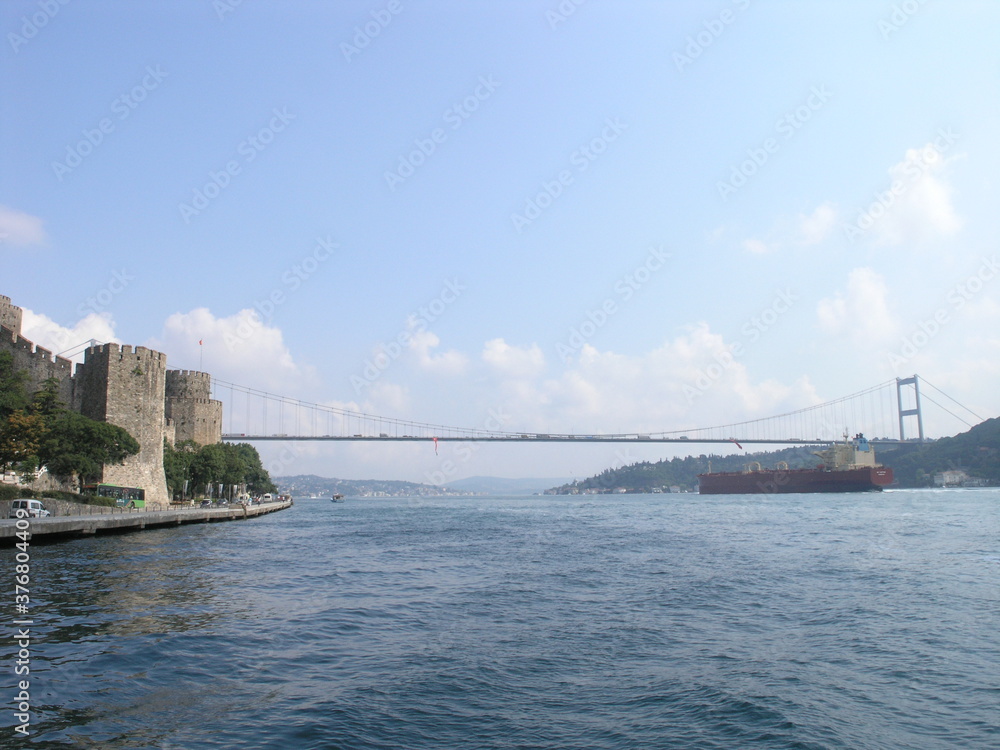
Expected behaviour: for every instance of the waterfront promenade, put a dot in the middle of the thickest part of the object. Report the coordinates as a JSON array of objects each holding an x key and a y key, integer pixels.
[{"x": 63, "y": 526}]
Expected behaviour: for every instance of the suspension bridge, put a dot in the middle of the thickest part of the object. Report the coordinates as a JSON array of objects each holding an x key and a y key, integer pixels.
[{"x": 887, "y": 413}]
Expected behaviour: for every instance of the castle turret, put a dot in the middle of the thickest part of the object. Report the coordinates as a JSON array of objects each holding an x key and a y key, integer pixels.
[
  {"x": 125, "y": 387},
  {"x": 194, "y": 414},
  {"x": 10, "y": 316}
]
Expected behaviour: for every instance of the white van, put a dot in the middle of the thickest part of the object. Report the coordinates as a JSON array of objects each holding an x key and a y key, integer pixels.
[{"x": 31, "y": 508}]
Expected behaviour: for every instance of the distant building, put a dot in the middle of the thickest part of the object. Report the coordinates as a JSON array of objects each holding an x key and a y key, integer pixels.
[{"x": 957, "y": 478}]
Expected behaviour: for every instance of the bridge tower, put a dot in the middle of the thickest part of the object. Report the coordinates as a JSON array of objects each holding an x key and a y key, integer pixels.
[{"x": 914, "y": 412}]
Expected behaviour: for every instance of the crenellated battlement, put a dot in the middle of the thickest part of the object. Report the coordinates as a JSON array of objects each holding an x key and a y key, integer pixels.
[
  {"x": 195, "y": 414},
  {"x": 188, "y": 384},
  {"x": 112, "y": 351},
  {"x": 37, "y": 362},
  {"x": 10, "y": 315},
  {"x": 30, "y": 349},
  {"x": 129, "y": 386},
  {"x": 190, "y": 374}
]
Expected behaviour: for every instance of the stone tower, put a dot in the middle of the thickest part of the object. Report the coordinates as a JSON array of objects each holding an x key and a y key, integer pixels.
[
  {"x": 126, "y": 387},
  {"x": 10, "y": 316},
  {"x": 194, "y": 414}
]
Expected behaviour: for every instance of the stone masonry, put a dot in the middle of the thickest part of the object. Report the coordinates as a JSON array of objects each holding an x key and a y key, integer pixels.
[
  {"x": 191, "y": 409},
  {"x": 129, "y": 387}
]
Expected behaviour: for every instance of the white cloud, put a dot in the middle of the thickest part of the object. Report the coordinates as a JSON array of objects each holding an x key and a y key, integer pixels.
[
  {"x": 861, "y": 313},
  {"x": 422, "y": 342},
  {"x": 240, "y": 348},
  {"x": 816, "y": 227},
  {"x": 70, "y": 342},
  {"x": 678, "y": 385},
  {"x": 19, "y": 228},
  {"x": 804, "y": 230},
  {"x": 757, "y": 247},
  {"x": 919, "y": 201},
  {"x": 514, "y": 361}
]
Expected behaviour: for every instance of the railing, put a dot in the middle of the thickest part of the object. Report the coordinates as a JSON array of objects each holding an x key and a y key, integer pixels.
[{"x": 61, "y": 508}]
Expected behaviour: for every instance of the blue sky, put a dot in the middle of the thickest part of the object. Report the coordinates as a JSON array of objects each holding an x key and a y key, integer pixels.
[{"x": 516, "y": 170}]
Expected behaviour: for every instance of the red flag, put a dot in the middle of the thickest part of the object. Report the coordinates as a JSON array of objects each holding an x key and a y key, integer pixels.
[
  {"x": 737, "y": 444},
  {"x": 200, "y": 342}
]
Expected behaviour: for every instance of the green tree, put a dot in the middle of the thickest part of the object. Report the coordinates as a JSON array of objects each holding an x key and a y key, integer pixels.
[
  {"x": 236, "y": 468},
  {"x": 13, "y": 396},
  {"x": 177, "y": 462},
  {"x": 221, "y": 463},
  {"x": 21, "y": 436},
  {"x": 208, "y": 465},
  {"x": 20, "y": 432},
  {"x": 256, "y": 477},
  {"x": 40, "y": 431},
  {"x": 76, "y": 446},
  {"x": 46, "y": 402}
]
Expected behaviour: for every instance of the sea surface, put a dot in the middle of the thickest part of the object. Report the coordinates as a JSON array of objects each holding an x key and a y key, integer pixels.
[{"x": 627, "y": 621}]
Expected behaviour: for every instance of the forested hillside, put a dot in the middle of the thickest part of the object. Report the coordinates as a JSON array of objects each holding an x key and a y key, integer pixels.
[{"x": 977, "y": 452}]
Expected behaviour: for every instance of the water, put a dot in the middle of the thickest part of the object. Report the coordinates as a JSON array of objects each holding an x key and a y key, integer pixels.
[{"x": 659, "y": 621}]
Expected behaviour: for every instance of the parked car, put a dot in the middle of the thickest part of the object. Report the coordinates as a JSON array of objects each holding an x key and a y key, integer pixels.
[{"x": 33, "y": 508}]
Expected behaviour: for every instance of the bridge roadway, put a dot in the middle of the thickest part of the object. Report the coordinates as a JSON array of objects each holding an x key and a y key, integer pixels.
[{"x": 541, "y": 438}]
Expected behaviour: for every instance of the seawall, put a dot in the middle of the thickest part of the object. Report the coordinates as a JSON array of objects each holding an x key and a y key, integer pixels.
[{"x": 60, "y": 527}]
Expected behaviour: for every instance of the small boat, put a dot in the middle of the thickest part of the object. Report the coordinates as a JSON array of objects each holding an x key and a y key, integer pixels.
[{"x": 337, "y": 499}]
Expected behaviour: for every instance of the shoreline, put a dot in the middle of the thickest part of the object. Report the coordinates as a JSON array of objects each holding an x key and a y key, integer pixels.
[{"x": 58, "y": 528}]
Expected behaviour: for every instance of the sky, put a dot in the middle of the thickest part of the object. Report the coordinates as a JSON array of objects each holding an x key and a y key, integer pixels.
[{"x": 574, "y": 216}]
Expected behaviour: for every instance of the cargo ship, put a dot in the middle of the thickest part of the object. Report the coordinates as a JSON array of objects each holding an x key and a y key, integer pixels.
[{"x": 847, "y": 467}]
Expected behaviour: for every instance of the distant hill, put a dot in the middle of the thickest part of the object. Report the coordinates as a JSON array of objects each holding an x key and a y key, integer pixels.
[
  {"x": 310, "y": 484},
  {"x": 682, "y": 472},
  {"x": 503, "y": 486},
  {"x": 306, "y": 485},
  {"x": 977, "y": 452}
]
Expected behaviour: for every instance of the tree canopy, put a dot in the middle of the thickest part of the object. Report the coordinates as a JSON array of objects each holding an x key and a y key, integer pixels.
[
  {"x": 37, "y": 430},
  {"x": 221, "y": 463}
]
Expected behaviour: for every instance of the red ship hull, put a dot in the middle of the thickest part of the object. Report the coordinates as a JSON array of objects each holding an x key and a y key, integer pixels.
[{"x": 867, "y": 479}]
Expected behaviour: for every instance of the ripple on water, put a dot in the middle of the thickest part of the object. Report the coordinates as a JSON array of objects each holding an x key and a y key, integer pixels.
[{"x": 788, "y": 622}]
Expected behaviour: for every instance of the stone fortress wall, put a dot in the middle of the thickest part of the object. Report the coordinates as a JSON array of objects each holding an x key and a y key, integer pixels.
[
  {"x": 36, "y": 361},
  {"x": 190, "y": 407},
  {"x": 129, "y": 387}
]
